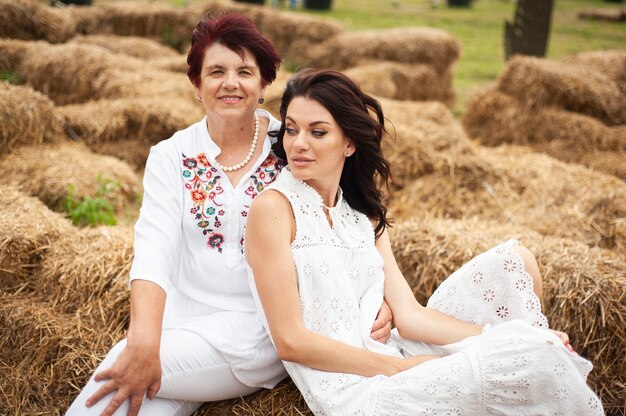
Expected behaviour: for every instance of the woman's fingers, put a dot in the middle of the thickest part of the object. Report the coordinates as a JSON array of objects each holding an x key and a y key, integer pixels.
[
  {"x": 383, "y": 333},
  {"x": 153, "y": 390},
  {"x": 103, "y": 375},
  {"x": 565, "y": 339},
  {"x": 135, "y": 404},
  {"x": 115, "y": 403},
  {"x": 100, "y": 393}
]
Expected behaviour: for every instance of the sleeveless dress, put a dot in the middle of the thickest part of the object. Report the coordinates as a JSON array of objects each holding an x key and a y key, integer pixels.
[{"x": 515, "y": 367}]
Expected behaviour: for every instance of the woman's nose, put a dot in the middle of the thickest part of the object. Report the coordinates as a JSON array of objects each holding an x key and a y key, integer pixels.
[
  {"x": 230, "y": 80},
  {"x": 300, "y": 142}
]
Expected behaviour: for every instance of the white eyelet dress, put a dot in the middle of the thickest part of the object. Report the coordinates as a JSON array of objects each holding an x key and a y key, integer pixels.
[{"x": 515, "y": 367}]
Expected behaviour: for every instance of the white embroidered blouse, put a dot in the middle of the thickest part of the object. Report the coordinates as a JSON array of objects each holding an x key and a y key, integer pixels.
[{"x": 188, "y": 240}]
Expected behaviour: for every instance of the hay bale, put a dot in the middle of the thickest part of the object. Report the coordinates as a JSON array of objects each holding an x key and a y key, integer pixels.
[
  {"x": 27, "y": 228},
  {"x": 406, "y": 45},
  {"x": 612, "y": 63},
  {"x": 88, "y": 271},
  {"x": 74, "y": 73},
  {"x": 538, "y": 82},
  {"x": 28, "y": 117},
  {"x": 50, "y": 354},
  {"x": 519, "y": 187},
  {"x": 127, "y": 128},
  {"x": 408, "y": 112},
  {"x": 11, "y": 53},
  {"x": 148, "y": 119},
  {"x": 583, "y": 287},
  {"x": 159, "y": 21},
  {"x": 129, "y": 45},
  {"x": 612, "y": 162},
  {"x": 432, "y": 142},
  {"x": 33, "y": 20},
  {"x": 173, "y": 64},
  {"x": 284, "y": 398},
  {"x": 294, "y": 33},
  {"x": 48, "y": 171},
  {"x": 605, "y": 15},
  {"x": 495, "y": 118},
  {"x": 414, "y": 82}
]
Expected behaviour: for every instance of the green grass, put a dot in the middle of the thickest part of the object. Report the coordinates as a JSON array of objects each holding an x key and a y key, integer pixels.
[
  {"x": 93, "y": 211},
  {"x": 479, "y": 29}
]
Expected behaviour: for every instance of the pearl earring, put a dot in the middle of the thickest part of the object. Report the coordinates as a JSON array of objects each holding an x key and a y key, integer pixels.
[
  {"x": 347, "y": 153},
  {"x": 199, "y": 99}
]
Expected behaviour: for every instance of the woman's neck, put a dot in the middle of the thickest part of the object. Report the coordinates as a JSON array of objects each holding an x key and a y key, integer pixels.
[
  {"x": 327, "y": 190},
  {"x": 230, "y": 133}
]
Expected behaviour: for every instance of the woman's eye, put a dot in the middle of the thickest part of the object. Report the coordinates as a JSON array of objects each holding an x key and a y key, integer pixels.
[
  {"x": 319, "y": 133},
  {"x": 245, "y": 73},
  {"x": 290, "y": 131},
  {"x": 217, "y": 72}
]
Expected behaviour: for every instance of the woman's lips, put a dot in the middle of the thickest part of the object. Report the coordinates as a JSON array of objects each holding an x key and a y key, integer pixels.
[{"x": 301, "y": 161}]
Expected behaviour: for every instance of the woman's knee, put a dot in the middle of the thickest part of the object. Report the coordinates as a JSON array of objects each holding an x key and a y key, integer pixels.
[{"x": 532, "y": 268}]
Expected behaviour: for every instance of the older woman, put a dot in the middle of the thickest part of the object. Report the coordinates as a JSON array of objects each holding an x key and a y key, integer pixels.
[{"x": 195, "y": 334}]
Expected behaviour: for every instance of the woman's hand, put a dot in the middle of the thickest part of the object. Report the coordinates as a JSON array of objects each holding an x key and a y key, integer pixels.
[
  {"x": 565, "y": 338},
  {"x": 135, "y": 373},
  {"x": 381, "y": 330}
]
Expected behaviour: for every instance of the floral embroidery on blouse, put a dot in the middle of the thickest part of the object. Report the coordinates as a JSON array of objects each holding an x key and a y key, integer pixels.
[{"x": 205, "y": 187}]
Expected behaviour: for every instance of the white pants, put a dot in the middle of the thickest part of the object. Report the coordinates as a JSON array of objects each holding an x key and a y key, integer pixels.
[{"x": 193, "y": 372}]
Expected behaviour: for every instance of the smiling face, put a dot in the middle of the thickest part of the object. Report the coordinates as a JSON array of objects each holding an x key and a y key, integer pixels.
[
  {"x": 229, "y": 85},
  {"x": 315, "y": 144}
]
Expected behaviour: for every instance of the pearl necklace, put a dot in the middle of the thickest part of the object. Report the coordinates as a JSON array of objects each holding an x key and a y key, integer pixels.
[{"x": 244, "y": 162}]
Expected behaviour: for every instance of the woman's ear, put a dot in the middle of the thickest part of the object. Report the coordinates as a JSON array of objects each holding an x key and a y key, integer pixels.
[{"x": 350, "y": 149}]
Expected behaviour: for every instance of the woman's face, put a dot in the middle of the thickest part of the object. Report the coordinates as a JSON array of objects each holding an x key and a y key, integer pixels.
[
  {"x": 314, "y": 143},
  {"x": 230, "y": 86}
]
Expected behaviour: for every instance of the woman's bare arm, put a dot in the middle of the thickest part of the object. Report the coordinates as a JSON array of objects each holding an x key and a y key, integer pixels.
[
  {"x": 269, "y": 232},
  {"x": 413, "y": 320},
  {"x": 137, "y": 370}
]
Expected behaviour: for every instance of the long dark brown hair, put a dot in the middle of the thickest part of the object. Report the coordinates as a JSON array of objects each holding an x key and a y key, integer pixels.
[{"x": 362, "y": 121}]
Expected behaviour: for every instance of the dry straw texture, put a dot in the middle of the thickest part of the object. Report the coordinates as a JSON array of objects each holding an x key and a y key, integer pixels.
[
  {"x": 538, "y": 82},
  {"x": 612, "y": 63},
  {"x": 129, "y": 45},
  {"x": 148, "y": 119},
  {"x": 284, "y": 399},
  {"x": 515, "y": 186},
  {"x": 495, "y": 118},
  {"x": 425, "y": 138},
  {"x": 32, "y": 20},
  {"x": 64, "y": 317},
  {"x": 403, "y": 81},
  {"x": 87, "y": 271},
  {"x": 28, "y": 117},
  {"x": 126, "y": 128},
  {"x": 407, "y": 45},
  {"x": 73, "y": 73},
  {"x": 158, "y": 21},
  {"x": 584, "y": 287},
  {"x": 294, "y": 34},
  {"x": 11, "y": 53},
  {"x": 27, "y": 228},
  {"x": 47, "y": 171}
]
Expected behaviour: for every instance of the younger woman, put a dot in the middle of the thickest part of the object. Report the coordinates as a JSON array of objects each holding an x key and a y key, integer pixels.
[{"x": 480, "y": 347}]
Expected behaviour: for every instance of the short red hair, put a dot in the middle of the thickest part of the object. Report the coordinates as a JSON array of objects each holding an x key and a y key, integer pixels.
[{"x": 236, "y": 32}]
